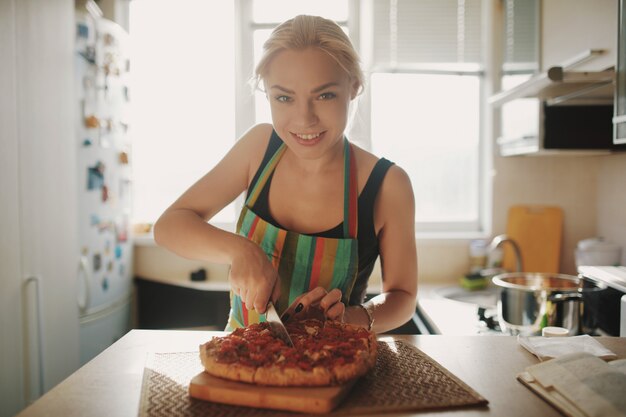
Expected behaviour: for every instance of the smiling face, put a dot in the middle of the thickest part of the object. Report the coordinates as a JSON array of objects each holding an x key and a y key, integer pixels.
[{"x": 309, "y": 97}]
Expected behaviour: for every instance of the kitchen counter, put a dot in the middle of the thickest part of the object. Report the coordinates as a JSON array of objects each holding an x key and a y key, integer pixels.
[{"x": 110, "y": 384}]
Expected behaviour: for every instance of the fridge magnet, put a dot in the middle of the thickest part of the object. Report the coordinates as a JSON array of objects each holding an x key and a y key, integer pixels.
[
  {"x": 94, "y": 220},
  {"x": 122, "y": 270},
  {"x": 105, "y": 283},
  {"x": 95, "y": 176},
  {"x": 105, "y": 193},
  {"x": 118, "y": 251},
  {"x": 121, "y": 229},
  {"x": 104, "y": 226},
  {"x": 87, "y": 142},
  {"x": 97, "y": 262},
  {"x": 107, "y": 247},
  {"x": 110, "y": 266},
  {"x": 92, "y": 122},
  {"x": 109, "y": 39},
  {"x": 123, "y": 158},
  {"x": 84, "y": 251},
  {"x": 85, "y": 37}
]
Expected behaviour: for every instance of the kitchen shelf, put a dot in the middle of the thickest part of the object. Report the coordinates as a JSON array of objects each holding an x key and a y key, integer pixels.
[{"x": 559, "y": 86}]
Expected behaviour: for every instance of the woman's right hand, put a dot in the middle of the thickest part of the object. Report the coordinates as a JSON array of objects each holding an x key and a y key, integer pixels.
[{"x": 253, "y": 278}]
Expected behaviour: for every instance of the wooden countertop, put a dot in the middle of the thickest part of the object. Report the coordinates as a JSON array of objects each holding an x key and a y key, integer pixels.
[{"x": 110, "y": 384}]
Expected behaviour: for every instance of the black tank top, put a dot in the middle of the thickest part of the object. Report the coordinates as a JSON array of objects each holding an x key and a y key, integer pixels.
[{"x": 366, "y": 235}]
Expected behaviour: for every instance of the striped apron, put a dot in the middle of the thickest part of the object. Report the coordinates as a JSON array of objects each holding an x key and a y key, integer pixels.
[{"x": 303, "y": 262}]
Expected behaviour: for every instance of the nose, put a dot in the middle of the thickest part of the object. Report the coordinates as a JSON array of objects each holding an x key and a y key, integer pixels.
[{"x": 306, "y": 114}]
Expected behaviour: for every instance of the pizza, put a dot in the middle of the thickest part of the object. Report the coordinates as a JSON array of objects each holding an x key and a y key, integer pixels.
[{"x": 324, "y": 353}]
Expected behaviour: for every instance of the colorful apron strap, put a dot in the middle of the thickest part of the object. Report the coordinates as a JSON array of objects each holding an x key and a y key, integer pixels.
[
  {"x": 350, "y": 193},
  {"x": 265, "y": 174}
]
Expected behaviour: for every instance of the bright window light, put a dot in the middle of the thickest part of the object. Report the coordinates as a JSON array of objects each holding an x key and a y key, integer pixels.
[
  {"x": 274, "y": 11},
  {"x": 182, "y": 98},
  {"x": 429, "y": 125}
]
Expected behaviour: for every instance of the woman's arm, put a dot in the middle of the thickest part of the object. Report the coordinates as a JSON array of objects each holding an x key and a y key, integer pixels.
[
  {"x": 395, "y": 211},
  {"x": 184, "y": 230}
]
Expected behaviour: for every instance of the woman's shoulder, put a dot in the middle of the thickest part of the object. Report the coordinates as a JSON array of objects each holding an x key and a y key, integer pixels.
[
  {"x": 396, "y": 180},
  {"x": 253, "y": 145},
  {"x": 257, "y": 136}
]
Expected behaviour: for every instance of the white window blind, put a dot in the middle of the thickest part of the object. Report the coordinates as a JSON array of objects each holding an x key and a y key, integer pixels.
[
  {"x": 521, "y": 35},
  {"x": 426, "y": 31}
]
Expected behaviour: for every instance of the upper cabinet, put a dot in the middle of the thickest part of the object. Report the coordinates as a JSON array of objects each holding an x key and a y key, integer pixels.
[
  {"x": 558, "y": 76},
  {"x": 570, "y": 27}
]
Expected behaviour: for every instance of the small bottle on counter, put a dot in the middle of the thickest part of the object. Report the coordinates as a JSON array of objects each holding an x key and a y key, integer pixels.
[{"x": 478, "y": 255}]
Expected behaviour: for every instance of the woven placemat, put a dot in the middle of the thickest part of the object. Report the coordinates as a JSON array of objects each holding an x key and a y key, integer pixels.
[{"x": 404, "y": 379}]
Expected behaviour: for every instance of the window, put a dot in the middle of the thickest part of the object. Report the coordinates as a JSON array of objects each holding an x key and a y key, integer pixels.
[
  {"x": 425, "y": 100},
  {"x": 182, "y": 98}
]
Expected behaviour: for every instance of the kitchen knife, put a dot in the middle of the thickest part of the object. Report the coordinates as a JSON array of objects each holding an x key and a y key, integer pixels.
[{"x": 277, "y": 326}]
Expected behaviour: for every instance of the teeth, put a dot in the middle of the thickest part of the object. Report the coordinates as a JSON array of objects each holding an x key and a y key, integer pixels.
[{"x": 307, "y": 137}]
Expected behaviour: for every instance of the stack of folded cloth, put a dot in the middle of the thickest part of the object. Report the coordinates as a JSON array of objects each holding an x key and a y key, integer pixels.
[{"x": 577, "y": 380}]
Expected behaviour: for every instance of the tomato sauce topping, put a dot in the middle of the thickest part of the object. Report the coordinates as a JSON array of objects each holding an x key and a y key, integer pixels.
[{"x": 316, "y": 343}]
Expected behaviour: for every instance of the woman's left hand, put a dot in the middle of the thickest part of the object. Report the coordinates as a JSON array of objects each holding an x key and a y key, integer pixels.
[{"x": 329, "y": 302}]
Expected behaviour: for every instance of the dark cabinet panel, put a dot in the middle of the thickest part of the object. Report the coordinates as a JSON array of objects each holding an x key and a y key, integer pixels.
[{"x": 164, "y": 306}]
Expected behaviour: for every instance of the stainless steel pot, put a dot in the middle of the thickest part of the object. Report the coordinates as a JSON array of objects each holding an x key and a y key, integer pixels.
[{"x": 529, "y": 302}]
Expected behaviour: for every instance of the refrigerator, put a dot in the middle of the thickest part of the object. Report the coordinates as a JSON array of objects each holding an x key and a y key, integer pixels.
[
  {"x": 65, "y": 252},
  {"x": 104, "y": 292}
]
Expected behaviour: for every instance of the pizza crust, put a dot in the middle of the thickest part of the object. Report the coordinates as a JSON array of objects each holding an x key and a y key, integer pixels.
[{"x": 232, "y": 371}]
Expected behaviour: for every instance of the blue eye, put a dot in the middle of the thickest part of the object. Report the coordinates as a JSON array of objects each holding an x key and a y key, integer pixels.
[{"x": 327, "y": 96}]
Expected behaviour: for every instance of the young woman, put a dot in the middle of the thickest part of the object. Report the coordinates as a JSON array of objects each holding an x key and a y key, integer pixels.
[{"x": 319, "y": 210}]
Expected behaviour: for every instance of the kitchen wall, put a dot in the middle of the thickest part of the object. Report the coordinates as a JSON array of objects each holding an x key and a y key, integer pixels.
[
  {"x": 611, "y": 197},
  {"x": 566, "y": 181}
]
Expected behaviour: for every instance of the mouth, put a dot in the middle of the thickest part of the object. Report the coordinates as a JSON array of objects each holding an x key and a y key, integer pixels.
[{"x": 308, "y": 136}]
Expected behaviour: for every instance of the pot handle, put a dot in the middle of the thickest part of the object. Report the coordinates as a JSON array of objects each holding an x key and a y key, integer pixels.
[{"x": 559, "y": 298}]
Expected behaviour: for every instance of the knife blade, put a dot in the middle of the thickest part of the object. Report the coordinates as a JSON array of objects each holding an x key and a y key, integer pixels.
[{"x": 277, "y": 326}]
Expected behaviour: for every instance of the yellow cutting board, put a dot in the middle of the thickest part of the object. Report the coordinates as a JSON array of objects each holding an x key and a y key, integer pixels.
[
  {"x": 303, "y": 399},
  {"x": 538, "y": 231}
]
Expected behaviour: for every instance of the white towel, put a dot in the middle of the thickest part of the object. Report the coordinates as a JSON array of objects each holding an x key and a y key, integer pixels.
[{"x": 552, "y": 347}]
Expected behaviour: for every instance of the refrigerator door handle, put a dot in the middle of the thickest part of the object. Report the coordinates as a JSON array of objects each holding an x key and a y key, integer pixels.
[
  {"x": 39, "y": 335},
  {"x": 83, "y": 299}
]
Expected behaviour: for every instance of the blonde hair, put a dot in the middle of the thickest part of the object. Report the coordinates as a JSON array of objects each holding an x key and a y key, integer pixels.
[{"x": 303, "y": 32}]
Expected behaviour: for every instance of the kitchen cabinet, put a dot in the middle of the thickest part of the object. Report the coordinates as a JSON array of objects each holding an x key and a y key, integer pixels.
[
  {"x": 165, "y": 304},
  {"x": 569, "y": 27},
  {"x": 566, "y": 108}
]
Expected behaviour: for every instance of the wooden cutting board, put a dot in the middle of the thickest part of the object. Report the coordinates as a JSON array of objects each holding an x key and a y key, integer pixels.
[
  {"x": 538, "y": 231},
  {"x": 303, "y": 399}
]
